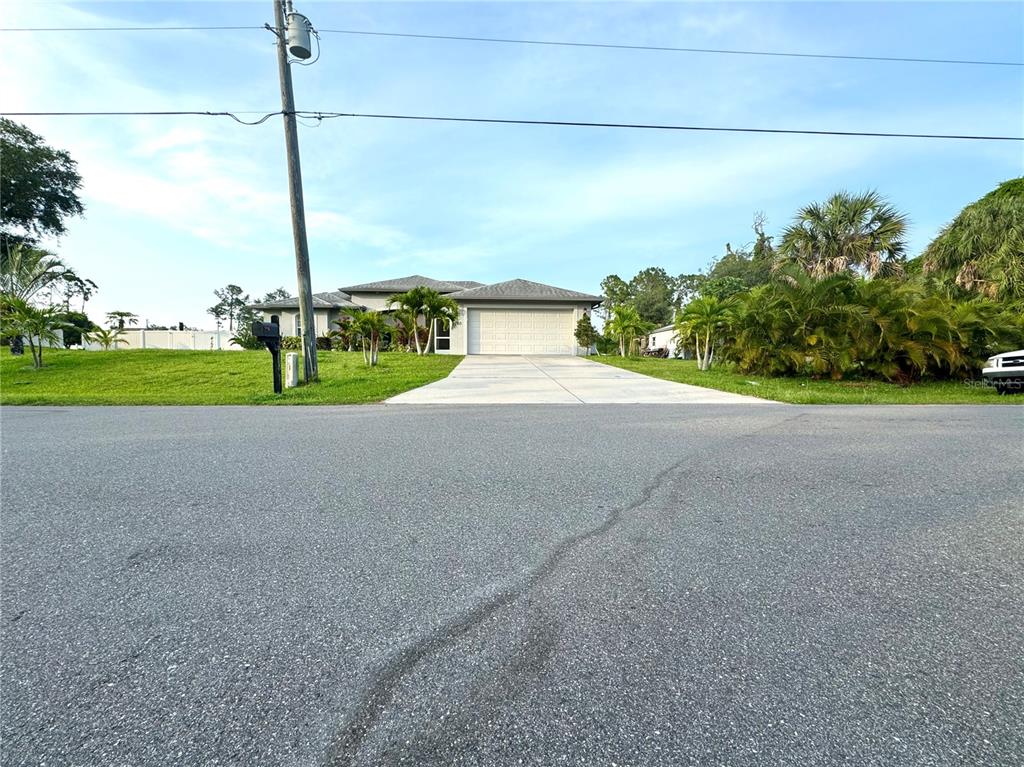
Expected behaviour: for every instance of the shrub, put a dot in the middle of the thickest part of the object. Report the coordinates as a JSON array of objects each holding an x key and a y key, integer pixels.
[{"x": 291, "y": 343}]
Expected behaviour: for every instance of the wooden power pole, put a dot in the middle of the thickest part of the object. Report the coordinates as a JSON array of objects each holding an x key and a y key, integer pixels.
[{"x": 291, "y": 140}]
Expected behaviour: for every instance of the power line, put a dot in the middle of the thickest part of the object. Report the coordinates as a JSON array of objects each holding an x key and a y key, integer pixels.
[
  {"x": 724, "y": 51},
  {"x": 507, "y": 121},
  {"x": 122, "y": 29},
  {"x": 561, "y": 43}
]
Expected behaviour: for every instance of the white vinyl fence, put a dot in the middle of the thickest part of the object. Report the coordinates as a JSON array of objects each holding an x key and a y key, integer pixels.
[{"x": 186, "y": 340}]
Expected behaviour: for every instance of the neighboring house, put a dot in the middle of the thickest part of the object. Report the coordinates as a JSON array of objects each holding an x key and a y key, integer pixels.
[
  {"x": 666, "y": 338},
  {"x": 513, "y": 317}
]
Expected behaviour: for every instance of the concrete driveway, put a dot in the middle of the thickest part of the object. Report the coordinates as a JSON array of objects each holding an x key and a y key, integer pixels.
[{"x": 493, "y": 379}]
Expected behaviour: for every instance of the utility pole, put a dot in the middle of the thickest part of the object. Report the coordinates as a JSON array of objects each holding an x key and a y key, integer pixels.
[{"x": 291, "y": 139}]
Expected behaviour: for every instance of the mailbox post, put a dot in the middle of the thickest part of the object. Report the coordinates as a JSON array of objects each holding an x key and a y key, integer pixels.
[{"x": 270, "y": 334}]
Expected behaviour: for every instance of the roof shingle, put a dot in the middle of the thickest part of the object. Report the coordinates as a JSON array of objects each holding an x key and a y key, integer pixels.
[{"x": 522, "y": 290}]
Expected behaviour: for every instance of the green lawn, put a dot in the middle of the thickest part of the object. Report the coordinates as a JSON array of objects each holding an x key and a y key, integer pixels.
[
  {"x": 161, "y": 377},
  {"x": 807, "y": 391}
]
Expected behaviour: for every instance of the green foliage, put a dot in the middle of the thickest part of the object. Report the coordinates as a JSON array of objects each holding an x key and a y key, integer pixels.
[
  {"x": 844, "y": 326},
  {"x": 615, "y": 291},
  {"x": 652, "y": 293},
  {"x": 859, "y": 233},
  {"x": 291, "y": 343},
  {"x": 626, "y": 326},
  {"x": 703, "y": 322},
  {"x": 244, "y": 337},
  {"x": 424, "y": 302},
  {"x": 106, "y": 338},
  {"x": 26, "y": 271},
  {"x": 804, "y": 390},
  {"x": 121, "y": 318},
  {"x": 368, "y": 327},
  {"x": 232, "y": 305},
  {"x": 982, "y": 250},
  {"x": 38, "y": 187},
  {"x": 723, "y": 287},
  {"x": 77, "y": 325},
  {"x": 38, "y": 325},
  {"x": 586, "y": 335}
]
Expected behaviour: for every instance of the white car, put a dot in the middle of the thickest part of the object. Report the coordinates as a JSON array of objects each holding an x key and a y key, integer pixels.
[{"x": 1005, "y": 371}]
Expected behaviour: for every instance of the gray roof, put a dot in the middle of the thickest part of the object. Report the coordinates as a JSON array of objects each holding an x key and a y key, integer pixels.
[
  {"x": 402, "y": 284},
  {"x": 467, "y": 283},
  {"x": 664, "y": 327},
  {"x": 333, "y": 299},
  {"x": 522, "y": 290}
]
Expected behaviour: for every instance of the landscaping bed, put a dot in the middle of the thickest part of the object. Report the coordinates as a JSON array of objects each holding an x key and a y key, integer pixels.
[{"x": 809, "y": 391}]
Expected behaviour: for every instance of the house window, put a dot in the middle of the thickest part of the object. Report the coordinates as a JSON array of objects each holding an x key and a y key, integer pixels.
[
  {"x": 442, "y": 336},
  {"x": 298, "y": 325}
]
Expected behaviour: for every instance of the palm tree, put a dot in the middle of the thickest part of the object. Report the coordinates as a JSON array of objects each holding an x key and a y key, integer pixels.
[
  {"x": 982, "y": 249},
  {"x": 369, "y": 326},
  {"x": 39, "y": 325},
  {"x": 704, "y": 320},
  {"x": 119, "y": 318},
  {"x": 848, "y": 233},
  {"x": 106, "y": 338},
  {"x": 24, "y": 271},
  {"x": 412, "y": 302},
  {"x": 406, "y": 327},
  {"x": 438, "y": 309},
  {"x": 626, "y": 324}
]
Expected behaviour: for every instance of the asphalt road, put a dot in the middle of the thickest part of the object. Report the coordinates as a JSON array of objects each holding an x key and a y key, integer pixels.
[{"x": 537, "y": 585}]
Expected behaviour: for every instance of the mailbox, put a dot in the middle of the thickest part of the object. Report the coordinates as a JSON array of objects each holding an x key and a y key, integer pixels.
[
  {"x": 266, "y": 330},
  {"x": 270, "y": 334}
]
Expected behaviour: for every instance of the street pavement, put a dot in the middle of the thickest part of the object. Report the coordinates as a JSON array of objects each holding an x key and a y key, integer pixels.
[
  {"x": 523, "y": 585},
  {"x": 557, "y": 379}
]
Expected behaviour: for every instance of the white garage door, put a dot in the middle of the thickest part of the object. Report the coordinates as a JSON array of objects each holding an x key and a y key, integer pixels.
[{"x": 521, "y": 331}]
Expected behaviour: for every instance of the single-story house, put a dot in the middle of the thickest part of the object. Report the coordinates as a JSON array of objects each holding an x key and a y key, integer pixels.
[
  {"x": 666, "y": 337},
  {"x": 512, "y": 317}
]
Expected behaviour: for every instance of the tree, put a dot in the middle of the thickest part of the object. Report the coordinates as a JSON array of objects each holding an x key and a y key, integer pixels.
[
  {"x": 438, "y": 309},
  {"x": 120, "y": 318},
  {"x": 275, "y": 295},
  {"x": 26, "y": 271},
  {"x": 77, "y": 325},
  {"x": 616, "y": 293},
  {"x": 626, "y": 325},
  {"x": 982, "y": 250},
  {"x": 857, "y": 233},
  {"x": 233, "y": 301},
  {"x": 586, "y": 335},
  {"x": 38, "y": 325},
  {"x": 413, "y": 302},
  {"x": 723, "y": 287},
  {"x": 703, "y": 320},
  {"x": 106, "y": 338},
  {"x": 368, "y": 326},
  {"x": 38, "y": 188},
  {"x": 688, "y": 287},
  {"x": 651, "y": 293}
]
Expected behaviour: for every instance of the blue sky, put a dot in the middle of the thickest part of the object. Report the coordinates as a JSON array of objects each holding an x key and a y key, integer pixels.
[{"x": 177, "y": 207}]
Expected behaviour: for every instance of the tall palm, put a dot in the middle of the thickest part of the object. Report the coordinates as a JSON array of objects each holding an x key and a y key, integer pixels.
[
  {"x": 626, "y": 324},
  {"x": 847, "y": 233},
  {"x": 369, "y": 326},
  {"x": 704, "y": 320},
  {"x": 438, "y": 309},
  {"x": 24, "y": 271},
  {"x": 412, "y": 302}
]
